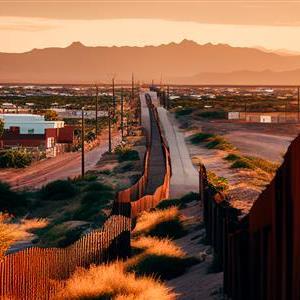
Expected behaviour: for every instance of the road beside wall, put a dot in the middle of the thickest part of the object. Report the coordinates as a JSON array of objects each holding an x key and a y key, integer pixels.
[{"x": 184, "y": 175}]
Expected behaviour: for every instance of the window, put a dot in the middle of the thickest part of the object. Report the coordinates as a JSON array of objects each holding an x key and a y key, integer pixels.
[{"x": 30, "y": 131}]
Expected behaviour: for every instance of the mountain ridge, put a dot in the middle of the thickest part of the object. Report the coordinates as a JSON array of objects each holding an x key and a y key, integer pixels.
[{"x": 78, "y": 63}]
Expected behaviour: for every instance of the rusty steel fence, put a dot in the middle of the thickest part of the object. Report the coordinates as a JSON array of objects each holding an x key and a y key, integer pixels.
[
  {"x": 38, "y": 273},
  {"x": 260, "y": 252}
]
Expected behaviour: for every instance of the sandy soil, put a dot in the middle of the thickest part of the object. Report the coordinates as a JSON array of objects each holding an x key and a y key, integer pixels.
[
  {"x": 197, "y": 283},
  {"x": 268, "y": 141}
]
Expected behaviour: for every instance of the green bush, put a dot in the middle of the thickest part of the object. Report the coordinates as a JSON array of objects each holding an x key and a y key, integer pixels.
[
  {"x": 126, "y": 153},
  {"x": 14, "y": 158},
  {"x": 97, "y": 186},
  {"x": 219, "y": 143},
  {"x": 190, "y": 197},
  {"x": 183, "y": 112},
  {"x": 242, "y": 164},
  {"x": 58, "y": 190},
  {"x": 181, "y": 202},
  {"x": 172, "y": 229},
  {"x": 213, "y": 114},
  {"x": 105, "y": 172},
  {"x": 232, "y": 157},
  {"x": 169, "y": 203},
  {"x": 92, "y": 204},
  {"x": 12, "y": 202},
  {"x": 217, "y": 183},
  {"x": 201, "y": 137},
  {"x": 127, "y": 167},
  {"x": 163, "y": 266}
]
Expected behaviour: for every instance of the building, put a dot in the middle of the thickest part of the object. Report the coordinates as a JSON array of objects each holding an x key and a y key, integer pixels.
[
  {"x": 29, "y": 123},
  {"x": 28, "y": 130}
]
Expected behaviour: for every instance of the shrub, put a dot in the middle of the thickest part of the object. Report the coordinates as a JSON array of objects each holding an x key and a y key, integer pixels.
[
  {"x": 160, "y": 257},
  {"x": 213, "y": 114},
  {"x": 158, "y": 246},
  {"x": 201, "y": 137},
  {"x": 97, "y": 186},
  {"x": 183, "y": 112},
  {"x": 263, "y": 164},
  {"x": 126, "y": 167},
  {"x": 9, "y": 233},
  {"x": 161, "y": 223},
  {"x": 58, "y": 190},
  {"x": 220, "y": 143},
  {"x": 190, "y": 197},
  {"x": 242, "y": 164},
  {"x": 166, "y": 267},
  {"x": 169, "y": 203},
  {"x": 112, "y": 282},
  {"x": 90, "y": 136},
  {"x": 218, "y": 184},
  {"x": 13, "y": 158},
  {"x": 105, "y": 172},
  {"x": 180, "y": 203},
  {"x": 172, "y": 229},
  {"x": 125, "y": 153},
  {"x": 92, "y": 204},
  {"x": 232, "y": 157},
  {"x": 12, "y": 202}
]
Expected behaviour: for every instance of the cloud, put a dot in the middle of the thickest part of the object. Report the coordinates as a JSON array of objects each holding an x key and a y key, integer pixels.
[{"x": 26, "y": 24}]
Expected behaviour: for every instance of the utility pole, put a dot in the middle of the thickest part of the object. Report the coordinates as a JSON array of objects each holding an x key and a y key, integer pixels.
[
  {"x": 132, "y": 87},
  {"x": 109, "y": 129},
  {"x": 168, "y": 96},
  {"x": 96, "y": 112},
  {"x": 113, "y": 92},
  {"x": 82, "y": 142},
  {"x": 298, "y": 104},
  {"x": 122, "y": 114}
]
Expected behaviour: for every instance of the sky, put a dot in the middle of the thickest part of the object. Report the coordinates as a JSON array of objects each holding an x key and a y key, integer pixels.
[{"x": 25, "y": 24}]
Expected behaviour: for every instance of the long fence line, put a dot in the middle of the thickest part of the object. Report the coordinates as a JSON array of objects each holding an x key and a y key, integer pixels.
[
  {"x": 260, "y": 252},
  {"x": 38, "y": 273}
]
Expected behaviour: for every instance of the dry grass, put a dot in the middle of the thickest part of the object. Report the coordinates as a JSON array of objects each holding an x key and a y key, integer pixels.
[
  {"x": 161, "y": 258},
  {"x": 32, "y": 224},
  {"x": 9, "y": 233},
  {"x": 149, "y": 220},
  {"x": 157, "y": 246},
  {"x": 112, "y": 282}
]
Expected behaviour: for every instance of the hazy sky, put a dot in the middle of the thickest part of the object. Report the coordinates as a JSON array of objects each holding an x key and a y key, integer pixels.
[{"x": 36, "y": 24}]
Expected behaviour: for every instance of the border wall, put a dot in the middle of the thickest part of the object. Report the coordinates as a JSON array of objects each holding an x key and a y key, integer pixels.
[
  {"x": 38, "y": 273},
  {"x": 260, "y": 252}
]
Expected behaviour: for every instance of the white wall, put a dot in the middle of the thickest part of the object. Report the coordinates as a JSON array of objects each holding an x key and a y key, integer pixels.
[{"x": 28, "y": 122}]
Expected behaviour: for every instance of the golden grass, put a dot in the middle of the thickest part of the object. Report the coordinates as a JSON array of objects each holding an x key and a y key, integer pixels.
[
  {"x": 148, "y": 220},
  {"x": 112, "y": 281},
  {"x": 9, "y": 233},
  {"x": 157, "y": 246},
  {"x": 31, "y": 224}
]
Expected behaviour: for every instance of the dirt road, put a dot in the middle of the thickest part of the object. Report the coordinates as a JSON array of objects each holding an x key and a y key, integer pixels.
[
  {"x": 60, "y": 167},
  {"x": 267, "y": 146}
]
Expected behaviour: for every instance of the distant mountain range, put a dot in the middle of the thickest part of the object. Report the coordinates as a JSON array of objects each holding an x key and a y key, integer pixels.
[{"x": 186, "y": 62}]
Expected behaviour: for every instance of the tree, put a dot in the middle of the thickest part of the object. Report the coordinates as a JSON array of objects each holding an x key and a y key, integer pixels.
[{"x": 51, "y": 115}]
